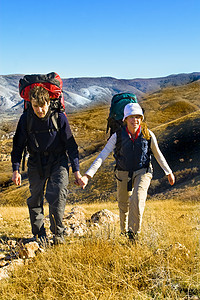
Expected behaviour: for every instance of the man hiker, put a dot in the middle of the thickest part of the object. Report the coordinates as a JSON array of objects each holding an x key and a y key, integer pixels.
[{"x": 49, "y": 150}]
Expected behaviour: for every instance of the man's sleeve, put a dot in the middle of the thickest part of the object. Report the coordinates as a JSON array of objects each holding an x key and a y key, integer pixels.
[
  {"x": 70, "y": 143},
  {"x": 19, "y": 143}
]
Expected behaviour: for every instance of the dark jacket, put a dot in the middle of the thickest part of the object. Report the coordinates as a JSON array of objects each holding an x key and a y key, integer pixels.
[
  {"x": 129, "y": 155},
  {"x": 43, "y": 138}
]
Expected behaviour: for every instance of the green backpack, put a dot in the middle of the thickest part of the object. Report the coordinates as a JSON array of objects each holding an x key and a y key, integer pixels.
[{"x": 118, "y": 102}]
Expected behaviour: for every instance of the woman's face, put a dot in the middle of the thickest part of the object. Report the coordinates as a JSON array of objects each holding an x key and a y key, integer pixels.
[{"x": 133, "y": 122}]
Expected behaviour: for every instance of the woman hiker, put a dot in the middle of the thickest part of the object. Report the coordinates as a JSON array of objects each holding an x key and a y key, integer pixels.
[{"x": 132, "y": 146}]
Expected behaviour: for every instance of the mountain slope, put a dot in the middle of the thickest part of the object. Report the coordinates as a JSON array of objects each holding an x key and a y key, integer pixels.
[
  {"x": 84, "y": 92},
  {"x": 179, "y": 141},
  {"x": 171, "y": 103},
  {"x": 175, "y": 120}
]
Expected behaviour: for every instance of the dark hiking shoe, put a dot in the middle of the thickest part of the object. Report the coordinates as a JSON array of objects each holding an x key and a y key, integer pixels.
[
  {"x": 58, "y": 239},
  {"x": 42, "y": 240},
  {"x": 132, "y": 236}
]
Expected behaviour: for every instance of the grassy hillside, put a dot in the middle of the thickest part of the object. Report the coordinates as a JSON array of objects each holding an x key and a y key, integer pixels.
[
  {"x": 89, "y": 129},
  {"x": 173, "y": 114},
  {"x": 163, "y": 264},
  {"x": 181, "y": 141},
  {"x": 171, "y": 103}
]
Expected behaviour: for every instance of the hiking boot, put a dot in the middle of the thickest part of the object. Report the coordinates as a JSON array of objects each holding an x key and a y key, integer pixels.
[
  {"x": 132, "y": 236},
  {"x": 42, "y": 240},
  {"x": 58, "y": 239}
]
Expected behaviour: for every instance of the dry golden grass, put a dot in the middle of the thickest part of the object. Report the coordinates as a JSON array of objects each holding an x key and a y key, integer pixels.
[
  {"x": 89, "y": 128},
  {"x": 163, "y": 264},
  {"x": 15, "y": 196},
  {"x": 162, "y": 129},
  {"x": 5, "y": 166},
  {"x": 15, "y": 222},
  {"x": 5, "y": 172},
  {"x": 171, "y": 103}
]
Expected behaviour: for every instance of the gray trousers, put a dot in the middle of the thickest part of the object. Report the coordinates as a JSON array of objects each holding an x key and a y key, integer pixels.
[
  {"x": 131, "y": 204},
  {"x": 54, "y": 186}
]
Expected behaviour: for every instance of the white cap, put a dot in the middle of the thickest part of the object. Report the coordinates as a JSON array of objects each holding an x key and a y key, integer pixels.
[{"x": 133, "y": 109}]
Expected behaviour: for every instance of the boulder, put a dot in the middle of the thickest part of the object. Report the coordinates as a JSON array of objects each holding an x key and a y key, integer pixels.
[
  {"x": 28, "y": 250},
  {"x": 103, "y": 217}
]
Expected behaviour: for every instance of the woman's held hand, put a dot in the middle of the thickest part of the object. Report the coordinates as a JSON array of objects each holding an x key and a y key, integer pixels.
[{"x": 171, "y": 178}]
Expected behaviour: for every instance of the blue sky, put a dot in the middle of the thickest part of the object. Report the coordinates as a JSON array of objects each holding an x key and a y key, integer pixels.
[{"x": 118, "y": 38}]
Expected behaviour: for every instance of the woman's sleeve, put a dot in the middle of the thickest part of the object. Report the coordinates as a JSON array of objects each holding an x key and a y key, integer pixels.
[
  {"x": 109, "y": 147},
  {"x": 158, "y": 154}
]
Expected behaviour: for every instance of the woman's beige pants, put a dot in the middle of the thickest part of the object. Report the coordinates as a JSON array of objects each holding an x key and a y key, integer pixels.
[{"x": 131, "y": 204}]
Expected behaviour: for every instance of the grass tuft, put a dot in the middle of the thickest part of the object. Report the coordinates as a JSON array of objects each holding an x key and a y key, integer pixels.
[{"x": 164, "y": 263}]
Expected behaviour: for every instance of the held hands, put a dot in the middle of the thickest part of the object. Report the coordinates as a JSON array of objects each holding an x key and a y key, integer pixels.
[
  {"x": 85, "y": 180},
  {"x": 16, "y": 178},
  {"x": 82, "y": 181},
  {"x": 171, "y": 178}
]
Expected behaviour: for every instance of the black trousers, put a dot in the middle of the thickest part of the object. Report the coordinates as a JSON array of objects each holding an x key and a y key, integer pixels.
[{"x": 53, "y": 186}]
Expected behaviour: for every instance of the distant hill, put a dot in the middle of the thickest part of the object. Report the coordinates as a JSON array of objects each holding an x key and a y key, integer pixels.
[
  {"x": 171, "y": 103},
  {"x": 84, "y": 92},
  {"x": 173, "y": 113}
]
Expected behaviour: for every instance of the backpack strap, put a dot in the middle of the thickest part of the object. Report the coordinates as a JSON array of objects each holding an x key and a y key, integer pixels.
[
  {"x": 117, "y": 152},
  {"x": 118, "y": 142},
  {"x": 24, "y": 158},
  {"x": 130, "y": 181},
  {"x": 150, "y": 153},
  {"x": 29, "y": 122},
  {"x": 54, "y": 118},
  {"x": 29, "y": 119}
]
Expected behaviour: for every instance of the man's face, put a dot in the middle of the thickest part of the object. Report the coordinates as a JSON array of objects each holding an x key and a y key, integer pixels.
[{"x": 40, "y": 111}]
